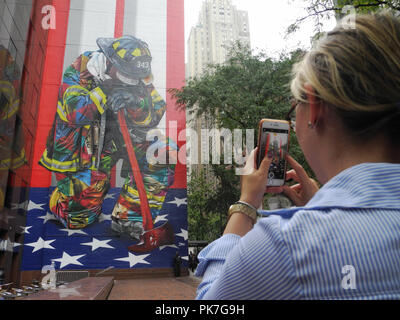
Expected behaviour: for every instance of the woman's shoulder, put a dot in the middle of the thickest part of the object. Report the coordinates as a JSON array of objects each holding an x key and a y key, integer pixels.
[{"x": 330, "y": 223}]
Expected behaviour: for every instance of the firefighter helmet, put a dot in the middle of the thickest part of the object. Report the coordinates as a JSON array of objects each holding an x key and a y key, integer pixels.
[{"x": 131, "y": 56}]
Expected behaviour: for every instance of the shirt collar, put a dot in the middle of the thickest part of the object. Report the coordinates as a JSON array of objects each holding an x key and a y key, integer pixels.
[{"x": 366, "y": 185}]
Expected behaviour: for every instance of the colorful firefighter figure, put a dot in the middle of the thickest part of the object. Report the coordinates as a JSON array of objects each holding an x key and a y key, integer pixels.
[
  {"x": 87, "y": 140},
  {"x": 12, "y": 151}
]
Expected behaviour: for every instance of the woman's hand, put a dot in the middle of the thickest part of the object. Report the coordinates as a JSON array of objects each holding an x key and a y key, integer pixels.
[
  {"x": 301, "y": 192},
  {"x": 253, "y": 189},
  {"x": 254, "y": 181}
]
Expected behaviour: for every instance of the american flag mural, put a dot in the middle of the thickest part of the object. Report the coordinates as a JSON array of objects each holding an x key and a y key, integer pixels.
[
  {"x": 96, "y": 247},
  {"x": 85, "y": 29}
]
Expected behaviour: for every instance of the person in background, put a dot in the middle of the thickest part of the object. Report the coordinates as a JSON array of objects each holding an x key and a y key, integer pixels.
[
  {"x": 191, "y": 261},
  {"x": 177, "y": 264},
  {"x": 342, "y": 240}
]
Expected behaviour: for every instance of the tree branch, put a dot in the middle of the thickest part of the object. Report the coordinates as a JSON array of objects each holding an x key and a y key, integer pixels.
[{"x": 317, "y": 13}]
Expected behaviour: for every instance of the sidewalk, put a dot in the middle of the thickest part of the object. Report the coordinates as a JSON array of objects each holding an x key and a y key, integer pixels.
[{"x": 180, "y": 288}]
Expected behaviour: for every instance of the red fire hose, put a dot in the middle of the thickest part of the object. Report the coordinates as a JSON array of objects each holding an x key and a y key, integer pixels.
[{"x": 144, "y": 204}]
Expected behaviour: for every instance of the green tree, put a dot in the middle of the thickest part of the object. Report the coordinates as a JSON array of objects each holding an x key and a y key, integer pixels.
[
  {"x": 235, "y": 95},
  {"x": 204, "y": 224},
  {"x": 242, "y": 91}
]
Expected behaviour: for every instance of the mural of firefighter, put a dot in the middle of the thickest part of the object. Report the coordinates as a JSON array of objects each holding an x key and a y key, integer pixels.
[{"x": 107, "y": 104}]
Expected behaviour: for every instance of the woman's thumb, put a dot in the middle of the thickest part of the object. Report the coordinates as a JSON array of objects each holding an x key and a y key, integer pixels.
[{"x": 265, "y": 164}]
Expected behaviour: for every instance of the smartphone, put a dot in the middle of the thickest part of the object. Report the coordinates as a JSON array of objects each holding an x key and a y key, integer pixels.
[{"x": 273, "y": 140}]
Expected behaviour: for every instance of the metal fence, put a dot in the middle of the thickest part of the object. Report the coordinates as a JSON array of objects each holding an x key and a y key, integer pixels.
[{"x": 70, "y": 276}]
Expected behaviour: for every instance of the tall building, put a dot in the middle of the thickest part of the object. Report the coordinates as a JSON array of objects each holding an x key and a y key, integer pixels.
[{"x": 220, "y": 25}]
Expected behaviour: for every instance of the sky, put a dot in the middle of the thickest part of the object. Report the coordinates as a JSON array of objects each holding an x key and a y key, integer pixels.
[{"x": 268, "y": 21}]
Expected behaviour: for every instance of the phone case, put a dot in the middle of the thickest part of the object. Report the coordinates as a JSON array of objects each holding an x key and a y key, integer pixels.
[{"x": 258, "y": 161}]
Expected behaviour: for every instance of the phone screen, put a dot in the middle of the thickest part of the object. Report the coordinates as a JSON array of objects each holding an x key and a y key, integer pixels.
[{"x": 274, "y": 142}]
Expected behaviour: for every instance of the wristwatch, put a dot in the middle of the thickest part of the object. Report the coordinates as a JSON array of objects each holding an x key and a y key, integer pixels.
[{"x": 244, "y": 208}]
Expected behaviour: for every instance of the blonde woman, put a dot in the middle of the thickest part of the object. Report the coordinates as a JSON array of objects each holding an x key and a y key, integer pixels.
[{"x": 342, "y": 240}]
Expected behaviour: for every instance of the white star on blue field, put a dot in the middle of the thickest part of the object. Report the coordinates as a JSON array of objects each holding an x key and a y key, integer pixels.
[{"x": 96, "y": 246}]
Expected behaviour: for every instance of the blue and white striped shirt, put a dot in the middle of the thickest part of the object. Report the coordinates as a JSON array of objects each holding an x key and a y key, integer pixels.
[{"x": 344, "y": 244}]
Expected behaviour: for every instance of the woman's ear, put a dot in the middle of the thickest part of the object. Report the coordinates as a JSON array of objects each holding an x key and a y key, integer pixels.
[{"x": 315, "y": 105}]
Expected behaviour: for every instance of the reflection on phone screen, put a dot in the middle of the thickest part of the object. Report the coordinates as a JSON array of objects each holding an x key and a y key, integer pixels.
[{"x": 274, "y": 143}]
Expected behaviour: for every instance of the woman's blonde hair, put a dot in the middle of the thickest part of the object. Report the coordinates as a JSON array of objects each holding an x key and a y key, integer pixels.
[{"x": 356, "y": 70}]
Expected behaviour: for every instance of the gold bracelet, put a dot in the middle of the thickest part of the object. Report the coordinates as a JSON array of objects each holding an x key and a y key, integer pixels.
[{"x": 245, "y": 209}]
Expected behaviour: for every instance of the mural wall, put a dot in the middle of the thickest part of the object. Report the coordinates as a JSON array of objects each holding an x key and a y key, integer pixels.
[{"x": 97, "y": 198}]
